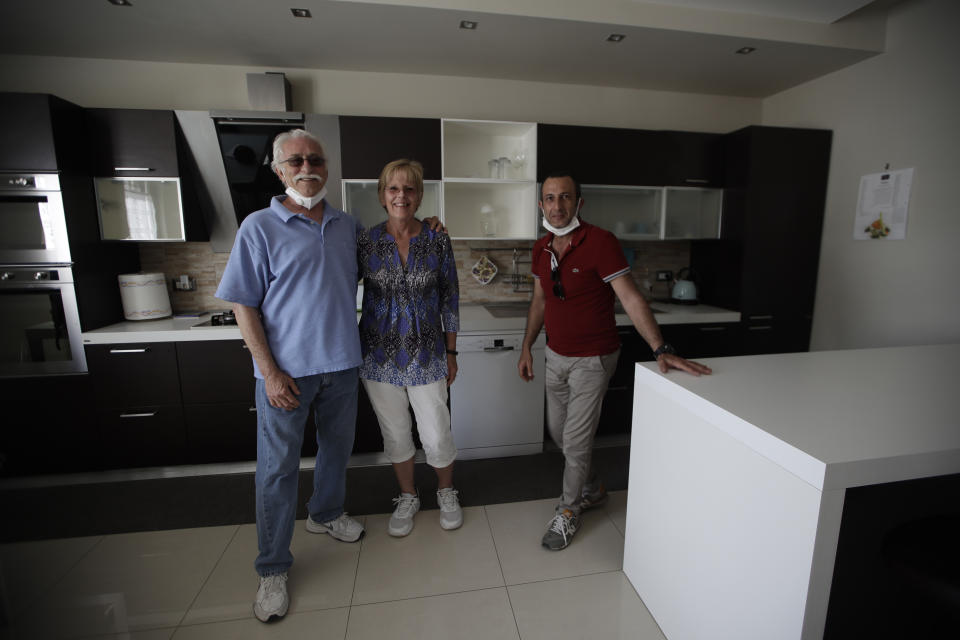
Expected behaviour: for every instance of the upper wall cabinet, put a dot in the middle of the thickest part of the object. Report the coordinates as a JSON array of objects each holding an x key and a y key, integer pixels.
[
  {"x": 144, "y": 177},
  {"x": 40, "y": 132},
  {"x": 601, "y": 155},
  {"x": 367, "y": 144},
  {"x": 489, "y": 171},
  {"x": 692, "y": 159}
]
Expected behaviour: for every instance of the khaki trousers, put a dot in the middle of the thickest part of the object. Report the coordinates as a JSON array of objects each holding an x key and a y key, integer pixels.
[{"x": 575, "y": 388}]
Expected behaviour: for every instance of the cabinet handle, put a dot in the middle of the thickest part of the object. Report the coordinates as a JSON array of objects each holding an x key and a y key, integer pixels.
[
  {"x": 761, "y": 317},
  {"x": 138, "y": 415},
  {"x": 761, "y": 327},
  {"x": 143, "y": 350},
  {"x": 497, "y": 349},
  {"x": 713, "y": 328},
  {"x": 252, "y": 409},
  {"x": 132, "y": 169},
  {"x": 696, "y": 180},
  {"x": 244, "y": 346}
]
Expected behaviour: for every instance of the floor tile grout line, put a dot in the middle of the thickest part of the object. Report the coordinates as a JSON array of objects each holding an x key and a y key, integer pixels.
[
  {"x": 430, "y": 595},
  {"x": 356, "y": 575},
  {"x": 503, "y": 576},
  {"x": 573, "y": 577},
  {"x": 213, "y": 570}
]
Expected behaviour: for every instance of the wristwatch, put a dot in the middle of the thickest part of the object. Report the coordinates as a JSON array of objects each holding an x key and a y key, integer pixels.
[{"x": 666, "y": 347}]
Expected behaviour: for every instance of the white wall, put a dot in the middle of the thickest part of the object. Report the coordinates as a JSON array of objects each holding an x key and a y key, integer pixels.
[
  {"x": 903, "y": 108},
  {"x": 149, "y": 85}
]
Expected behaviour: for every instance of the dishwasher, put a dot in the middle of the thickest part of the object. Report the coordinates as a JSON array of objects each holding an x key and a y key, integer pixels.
[{"x": 493, "y": 412}]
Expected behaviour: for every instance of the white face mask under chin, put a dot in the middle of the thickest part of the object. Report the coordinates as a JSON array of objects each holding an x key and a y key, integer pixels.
[
  {"x": 308, "y": 202},
  {"x": 565, "y": 230}
]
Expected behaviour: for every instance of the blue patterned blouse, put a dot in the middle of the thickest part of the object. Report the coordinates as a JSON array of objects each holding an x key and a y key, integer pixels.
[{"x": 406, "y": 308}]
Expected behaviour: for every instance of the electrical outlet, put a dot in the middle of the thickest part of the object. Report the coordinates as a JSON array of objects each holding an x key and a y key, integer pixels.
[{"x": 664, "y": 275}]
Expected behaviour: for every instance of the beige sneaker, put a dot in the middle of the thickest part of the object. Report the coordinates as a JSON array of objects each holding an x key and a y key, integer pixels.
[{"x": 272, "y": 599}]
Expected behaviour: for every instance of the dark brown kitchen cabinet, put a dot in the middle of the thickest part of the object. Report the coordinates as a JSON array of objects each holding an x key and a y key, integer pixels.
[
  {"x": 369, "y": 143},
  {"x": 41, "y": 132},
  {"x": 692, "y": 159},
  {"x": 147, "y": 143},
  {"x": 601, "y": 155},
  {"x": 766, "y": 262},
  {"x": 138, "y": 406},
  {"x": 50, "y": 426}
]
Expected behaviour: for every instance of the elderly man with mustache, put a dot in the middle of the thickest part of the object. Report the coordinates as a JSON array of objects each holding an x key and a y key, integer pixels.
[{"x": 292, "y": 279}]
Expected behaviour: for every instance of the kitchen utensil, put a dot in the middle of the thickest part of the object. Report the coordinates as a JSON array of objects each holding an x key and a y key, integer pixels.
[{"x": 684, "y": 288}]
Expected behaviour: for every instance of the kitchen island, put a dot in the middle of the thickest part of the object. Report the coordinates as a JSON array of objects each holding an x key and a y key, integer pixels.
[{"x": 738, "y": 480}]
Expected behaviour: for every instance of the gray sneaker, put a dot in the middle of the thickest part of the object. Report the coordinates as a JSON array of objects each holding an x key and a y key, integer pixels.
[
  {"x": 560, "y": 532},
  {"x": 342, "y": 528},
  {"x": 401, "y": 522},
  {"x": 595, "y": 496},
  {"x": 451, "y": 515},
  {"x": 272, "y": 599}
]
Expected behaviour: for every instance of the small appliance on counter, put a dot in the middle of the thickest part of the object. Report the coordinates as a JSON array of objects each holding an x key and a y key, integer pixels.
[
  {"x": 223, "y": 319},
  {"x": 144, "y": 296},
  {"x": 684, "y": 288}
]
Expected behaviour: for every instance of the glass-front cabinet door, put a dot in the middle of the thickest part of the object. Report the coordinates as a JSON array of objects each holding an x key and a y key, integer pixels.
[
  {"x": 141, "y": 209},
  {"x": 361, "y": 201},
  {"x": 692, "y": 213},
  {"x": 631, "y": 213}
]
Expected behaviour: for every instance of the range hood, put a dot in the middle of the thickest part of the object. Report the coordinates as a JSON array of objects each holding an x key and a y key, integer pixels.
[{"x": 233, "y": 150}]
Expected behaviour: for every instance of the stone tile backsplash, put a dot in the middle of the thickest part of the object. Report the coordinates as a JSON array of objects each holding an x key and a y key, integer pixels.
[{"x": 198, "y": 260}]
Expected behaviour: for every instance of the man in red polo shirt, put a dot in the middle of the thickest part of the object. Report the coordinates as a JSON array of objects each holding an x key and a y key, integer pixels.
[{"x": 577, "y": 269}]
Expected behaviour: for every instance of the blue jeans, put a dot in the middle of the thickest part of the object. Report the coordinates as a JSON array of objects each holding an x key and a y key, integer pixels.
[{"x": 333, "y": 397}]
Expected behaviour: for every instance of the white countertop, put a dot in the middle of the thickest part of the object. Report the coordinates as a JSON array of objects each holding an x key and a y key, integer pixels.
[
  {"x": 834, "y": 418},
  {"x": 474, "y": 318}
]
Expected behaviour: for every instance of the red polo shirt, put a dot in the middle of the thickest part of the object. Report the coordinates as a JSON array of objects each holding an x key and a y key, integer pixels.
[{"x": 582, "y": 324}]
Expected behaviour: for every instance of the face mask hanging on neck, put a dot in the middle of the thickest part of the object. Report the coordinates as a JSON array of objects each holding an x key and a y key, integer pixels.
[
  {"x": 565, "y": 230},
  {"x": 308, "y": 202}
]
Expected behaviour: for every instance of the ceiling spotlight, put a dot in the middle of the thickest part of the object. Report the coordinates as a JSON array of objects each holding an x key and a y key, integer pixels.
[
  {"x": 301, "y": 13},
  {"x": 615, "y": 37},
  {"x": 120, "y": 3},
  {"x": 745, "y": 50},
  {"x": 469, "y": 25}
]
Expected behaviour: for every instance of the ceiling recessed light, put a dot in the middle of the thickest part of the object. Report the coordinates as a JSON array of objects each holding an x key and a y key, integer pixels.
[
  {"x": 301, "y": 13},
  {"x": 120, "y": 3},
  {"x": 745, "y": 50},
  {"x": 469, "y": 25},
  {"x": 615, "y": 37}
]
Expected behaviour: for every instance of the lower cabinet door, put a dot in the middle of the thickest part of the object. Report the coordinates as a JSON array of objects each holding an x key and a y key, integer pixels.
[
  {"x": 143, "y": 436},
  {"x": 221, "y": 432}
]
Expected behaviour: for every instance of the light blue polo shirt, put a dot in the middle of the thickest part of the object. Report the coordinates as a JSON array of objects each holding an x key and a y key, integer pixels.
[{"x": 303, "y": 277}]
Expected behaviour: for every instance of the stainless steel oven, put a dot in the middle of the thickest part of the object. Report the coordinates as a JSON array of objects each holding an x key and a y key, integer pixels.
[
  {"x": 33, "y": 226},
  {"x": 39, "y": 324}
]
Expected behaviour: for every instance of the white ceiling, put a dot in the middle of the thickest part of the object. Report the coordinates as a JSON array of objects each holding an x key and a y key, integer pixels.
[{"x": 422, "y": 36}]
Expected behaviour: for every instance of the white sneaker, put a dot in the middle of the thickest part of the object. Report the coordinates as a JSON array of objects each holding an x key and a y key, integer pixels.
[
  {"x": 342, "y": 528},
  {"x": 272, "y": 600},
  {"x": 451, "y": 515},
  {"x": 401, "y": 522}
]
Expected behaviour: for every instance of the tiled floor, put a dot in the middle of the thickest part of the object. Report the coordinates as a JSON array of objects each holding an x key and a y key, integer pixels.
[{"x": 488, "y": 580}]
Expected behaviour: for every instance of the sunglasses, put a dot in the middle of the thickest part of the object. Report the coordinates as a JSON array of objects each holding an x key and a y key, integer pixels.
[
  {"x": 557, "y": 287},
  {"x": 297, "y": 161}
]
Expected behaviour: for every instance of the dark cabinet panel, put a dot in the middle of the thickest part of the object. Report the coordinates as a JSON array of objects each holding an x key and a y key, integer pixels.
[
  {"x": 692, "y": 159},
  {"x": 136, "y": 374},
  {"x": 368, "y": 143},
  {"x": 768, "y": 256},
  {"x": 56, "y": 429},
  {"x": 221, "y": 432},
  {"x": 215, "y": 371},
  {"x": 41, "y": 132},
  {"x": 143, "y": 436},
  {"x": 601, "y": 155},
  {"x": 127, "y": 139}
]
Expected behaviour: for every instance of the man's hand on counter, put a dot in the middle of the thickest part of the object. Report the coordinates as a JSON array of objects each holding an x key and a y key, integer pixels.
[{"x": 668, "y": 361}]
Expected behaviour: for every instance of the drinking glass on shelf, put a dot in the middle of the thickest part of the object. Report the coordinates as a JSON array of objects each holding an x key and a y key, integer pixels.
[{"x": 503, "y": 164}]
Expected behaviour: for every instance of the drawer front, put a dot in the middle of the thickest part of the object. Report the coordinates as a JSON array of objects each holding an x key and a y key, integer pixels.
[
  {"x": 215, "y": 371},
  {"x": 126, "y": 375},
  {"x": 143, "y": 436},
  {"x": 221, "y": 432}
]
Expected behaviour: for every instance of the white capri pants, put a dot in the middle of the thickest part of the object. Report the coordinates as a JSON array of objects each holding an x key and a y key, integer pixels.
[{"x": 429, "y": 402}]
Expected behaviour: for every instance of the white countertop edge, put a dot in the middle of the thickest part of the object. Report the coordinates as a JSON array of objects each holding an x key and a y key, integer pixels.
[
  {"x": 892, "y": 469},
  {"x": 801, "y": 464}
]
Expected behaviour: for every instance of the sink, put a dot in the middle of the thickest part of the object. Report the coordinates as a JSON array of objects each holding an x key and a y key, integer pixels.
[{"x": 508, "y": 309}]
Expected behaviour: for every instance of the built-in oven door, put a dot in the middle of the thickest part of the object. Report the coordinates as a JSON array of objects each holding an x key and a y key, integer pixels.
[
  {"x": 39, "y": 325},
  {"x": 33, "y": 227}
]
